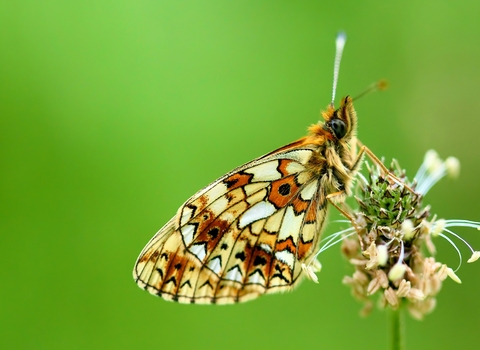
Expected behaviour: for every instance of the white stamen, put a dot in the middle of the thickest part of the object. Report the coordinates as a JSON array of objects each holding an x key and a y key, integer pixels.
[
  {"x": 438, "y": 227},
  {"x": 331, "y": 239},
  {"x": 460, "y": 238},
  {"x": 402, "y": 253},
  {"x": 463, "y": 223},
  {"x": 433, "y": 169},
  {"x": 382, "y": 254},
  {"x": 316, "y": 265},
  {"x": 438, "y": 171},
  {"x": 330, "y": 242},
  {"x": 408, "y": 230},
  {"x": 452, "y": 165},
  {"x": 475, "y": 256},
  {"x": 310, "y": 273},
  {"x": 397, "y": 272},
  {"x": 435, "y": 166},
  {"x": 390, "y": 242},
  {"x": 453, "y": 276},
  {"x": 441, "y": 225},
  {"x": 456, "y": 248},
  {"x": 429, "y": 158}
]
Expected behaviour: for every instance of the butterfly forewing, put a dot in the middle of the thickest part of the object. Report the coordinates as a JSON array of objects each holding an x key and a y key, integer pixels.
[{"x": 244, "y": 235}]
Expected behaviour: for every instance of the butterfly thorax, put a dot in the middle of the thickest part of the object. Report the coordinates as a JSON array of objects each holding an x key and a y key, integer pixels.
[{"x": 334, "y": 140}]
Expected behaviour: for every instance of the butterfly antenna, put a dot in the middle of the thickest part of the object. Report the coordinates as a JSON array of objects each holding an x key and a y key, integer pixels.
[
  {"x": 340, "y": 44},
  {"x": 378, "y": 86}
]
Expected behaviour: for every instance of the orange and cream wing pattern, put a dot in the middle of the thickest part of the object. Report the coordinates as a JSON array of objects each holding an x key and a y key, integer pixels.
[{"x": 244, "y": 235}]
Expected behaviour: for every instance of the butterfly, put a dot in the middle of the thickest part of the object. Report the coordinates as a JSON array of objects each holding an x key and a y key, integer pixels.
[{"x": 249, "y": 232}]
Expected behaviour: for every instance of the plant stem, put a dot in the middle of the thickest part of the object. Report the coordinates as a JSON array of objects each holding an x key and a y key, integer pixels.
[{"x": 397, "y": 336}]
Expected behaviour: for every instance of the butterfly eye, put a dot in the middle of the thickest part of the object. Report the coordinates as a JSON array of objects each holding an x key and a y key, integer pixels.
[{"x": 338, "y": 128}]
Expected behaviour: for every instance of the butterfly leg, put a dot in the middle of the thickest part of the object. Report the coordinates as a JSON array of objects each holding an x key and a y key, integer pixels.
[
  {"x": 365, "y": 150},
  {"x": 340, "y": 209},
  {"x": 353, "y": 220}
]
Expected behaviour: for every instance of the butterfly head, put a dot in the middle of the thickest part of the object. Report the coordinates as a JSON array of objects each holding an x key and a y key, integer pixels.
[{"x": 341, "y": 123}]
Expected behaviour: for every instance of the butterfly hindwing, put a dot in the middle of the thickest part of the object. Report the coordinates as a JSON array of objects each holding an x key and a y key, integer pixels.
[{"x": 244, "y": 235}]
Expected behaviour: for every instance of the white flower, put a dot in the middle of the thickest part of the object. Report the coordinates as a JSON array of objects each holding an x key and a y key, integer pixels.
[{"x": 388, "y": 233}]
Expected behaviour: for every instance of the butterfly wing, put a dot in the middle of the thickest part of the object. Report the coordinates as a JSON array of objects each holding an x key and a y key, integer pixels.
[{"x": 244, "y": 235}]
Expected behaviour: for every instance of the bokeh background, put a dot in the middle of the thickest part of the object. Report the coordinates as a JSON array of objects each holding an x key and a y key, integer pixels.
[{"x": 112, "y": 113}]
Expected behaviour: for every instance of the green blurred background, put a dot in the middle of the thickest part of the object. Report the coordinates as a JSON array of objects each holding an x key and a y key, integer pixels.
[{"x": 112, "y": 113}]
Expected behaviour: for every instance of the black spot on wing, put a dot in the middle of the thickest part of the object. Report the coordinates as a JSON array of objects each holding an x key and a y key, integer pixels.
[
  {"x": 171, "y": 280},
  {"x": 284, "y": 189},
  {"x": 241, "y": 256},
  {"x": 259, "y": 260},
  {"x": 279, "y": 274},
  {"x": 206, "y": 284},
  {"x": 185, "y": 283},
  {"x": 213, "y": 233}
]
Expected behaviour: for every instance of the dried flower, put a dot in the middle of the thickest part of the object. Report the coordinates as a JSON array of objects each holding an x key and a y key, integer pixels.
[{"x": 389, "y": 233}]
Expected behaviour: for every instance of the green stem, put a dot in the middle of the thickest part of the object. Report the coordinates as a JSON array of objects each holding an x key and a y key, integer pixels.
[{"x": 397, "y": 336}]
